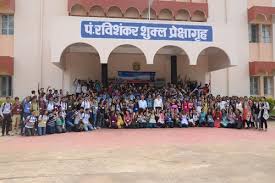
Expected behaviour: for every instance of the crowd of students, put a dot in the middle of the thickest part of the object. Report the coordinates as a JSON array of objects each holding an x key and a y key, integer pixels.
[{"x": 93, "y": 107}]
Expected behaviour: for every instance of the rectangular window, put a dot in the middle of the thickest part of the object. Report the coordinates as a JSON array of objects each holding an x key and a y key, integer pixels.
[
  {"x": 268, "y": 86},
  {"x": 7, "y": 25},
  {"x": 254, "y": 85},
  {"x": 5, "y": 86},
  {"x": 266, "y": 33},
  {"x": 254, "y": 33}
]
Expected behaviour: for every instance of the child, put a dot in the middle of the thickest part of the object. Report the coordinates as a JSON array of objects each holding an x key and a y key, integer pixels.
[
  {"x": 29, "y": 124},
  {"x": 210, "y": 120},
  {"x": 152, "y": 120},
  {"x": 42, "y": 122},
  {"x": 168, "y": 120},
  {"x": 60, "y": 123},
  {"x": 184, "y": 120}
]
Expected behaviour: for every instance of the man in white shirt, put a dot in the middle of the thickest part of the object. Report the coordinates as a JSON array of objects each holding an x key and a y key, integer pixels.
[
  {"x": 158, "y": 104},
  {"x": 78, "y": 87},
  {"x": 5, "y": 113},
  {"x": 86, "y": 104},
  {"x": 142, "y": 103}
]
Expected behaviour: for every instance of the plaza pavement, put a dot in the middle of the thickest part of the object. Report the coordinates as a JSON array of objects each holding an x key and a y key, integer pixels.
[{"x": 195, "y": 155}]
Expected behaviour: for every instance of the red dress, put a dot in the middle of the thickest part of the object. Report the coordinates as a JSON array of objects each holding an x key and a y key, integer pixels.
[{"x": 217, "y": 119}]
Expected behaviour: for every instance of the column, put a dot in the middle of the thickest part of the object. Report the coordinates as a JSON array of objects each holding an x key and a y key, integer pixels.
[
  {"x": 104, "y": 74},
  {"x": 174, "y": 73},
  {"x": 261, "y": 85}
]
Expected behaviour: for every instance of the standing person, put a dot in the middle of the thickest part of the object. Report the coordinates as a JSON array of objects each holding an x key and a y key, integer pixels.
[
  {"x": 255, "y": 112},
  {"x": 158, "y": 104},
  {"x": 78, "y": 88},
  {"x": 263, "y": 116},
  {"x": 142, "y": 103},
  {"x": 29, "y": 124},
  {"x": 5, "y": 113},
  {"x": 35, "y": 106},
  {"x": 16, "y": 115}
]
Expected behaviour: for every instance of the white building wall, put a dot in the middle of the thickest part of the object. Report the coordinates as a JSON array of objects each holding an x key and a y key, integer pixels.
[
  {"x": 26, "y": 46},
  {"x": 59, "y": 31}
]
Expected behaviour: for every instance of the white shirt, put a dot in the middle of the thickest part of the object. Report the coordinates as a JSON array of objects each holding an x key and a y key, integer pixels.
[
  {"x": 86, "y": 104},
  {"x": 222, "y": 105},
  {"x": 85, "y": 118},
  {"x": 158, "y": 103},
  {"x": 5, "y": 108},
  {"x": 184, "y": 120},
  {"x": 78, "y": 88},
  {"x": 84, "y": 89},
  {"x": 198, "y": 109},
  {"x": 142, "y": 104},
  {"x": 50, "y": 106},
  {"x": 239, "y": 106},
  {"x": 64, "y": 106}
]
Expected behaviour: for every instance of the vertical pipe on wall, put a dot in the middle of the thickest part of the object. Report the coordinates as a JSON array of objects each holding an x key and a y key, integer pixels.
[
  {"x": 225, "y": 11},
  {"x": 41, "y": 40},
  {"x": 227, "y": 81}
]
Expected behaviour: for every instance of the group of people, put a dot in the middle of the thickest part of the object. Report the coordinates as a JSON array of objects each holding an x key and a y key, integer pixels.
[{"x": 93, "y": 107}]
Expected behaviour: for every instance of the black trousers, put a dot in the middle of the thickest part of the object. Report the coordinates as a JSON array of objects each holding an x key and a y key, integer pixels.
[
  {"x": 263, "y": 123},
  {"x": 6, "y": 124}
]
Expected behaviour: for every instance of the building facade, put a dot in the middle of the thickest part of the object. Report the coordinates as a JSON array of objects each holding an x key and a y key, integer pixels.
[{"x": 51, "y": 43}]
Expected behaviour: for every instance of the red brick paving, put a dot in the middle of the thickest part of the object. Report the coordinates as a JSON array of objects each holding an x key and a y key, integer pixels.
[{"x": 128, "y": 138}]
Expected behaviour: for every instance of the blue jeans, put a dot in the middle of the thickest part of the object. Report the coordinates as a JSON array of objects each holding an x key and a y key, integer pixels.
[
  {"x": 50, "y": 130},
  {"x": 88, "y": 127},
  {"x": 94, "y": 115},
  {"x": 41, "y": 131},
  {"x": 69, "y": 125},
  {"x": 152, "y": 125}
]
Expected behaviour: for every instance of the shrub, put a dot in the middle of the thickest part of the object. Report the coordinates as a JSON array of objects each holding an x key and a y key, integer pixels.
[{"x": 271, "y": 102}]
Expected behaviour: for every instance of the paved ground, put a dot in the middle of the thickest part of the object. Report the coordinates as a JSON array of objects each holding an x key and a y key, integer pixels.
[{"x": 195, "y": 155}]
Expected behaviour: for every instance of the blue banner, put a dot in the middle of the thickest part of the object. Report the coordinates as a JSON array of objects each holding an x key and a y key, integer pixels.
[
  {"x": 146, "y": 31},
  {"x": 141, "y": 76}
]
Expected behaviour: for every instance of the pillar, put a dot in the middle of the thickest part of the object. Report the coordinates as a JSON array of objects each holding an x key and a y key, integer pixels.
[
  {"x": 104, "y": 74},
  {"x": 174, "y": 73},
  {"x": 261, "y": 85}
]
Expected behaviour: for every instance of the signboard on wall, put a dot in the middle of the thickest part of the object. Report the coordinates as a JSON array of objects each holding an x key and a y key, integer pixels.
[
  {"x": 136, "y": 76},
  {"x": 146, "y": 31}
]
